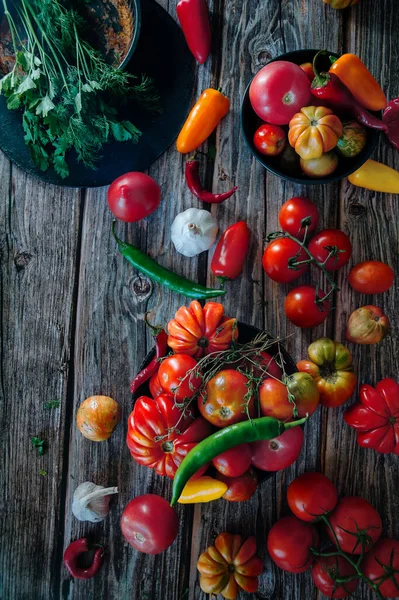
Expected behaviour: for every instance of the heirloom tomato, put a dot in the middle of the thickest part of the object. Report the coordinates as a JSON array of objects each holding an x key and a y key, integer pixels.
[
  {"x": 234, "y": 462},
  {"x": 313, "y": 131},
  {"x": 295, "y": 214},
  {"x": 354, "y": 520},
  {"x": 327, "y": 240},
  {"x": 279, "y": 257},
  {"x": 155, "y": 386},
  {"x": 383, "y": 561},
  {"x": 239, "y": 488},
  {"x": 133, "y": 196},
  {"x": 352, "y": 140},
  {"x": 311, "y": 495},
  {"x": 224, "y": 399},
  {"x": 320, "y": 167},
  {"x": 330, "y": 365},
  {"x": 371, "y": 277},
  {"x": 296, "y": 397},
  {"x": 97, "y": 417},
  {"x": 367, "y": 325},
  {"x": 278, "y": 453},
  {"x": 270, "y": 139},
  {"x": 302, "y": 309},
  {"x": 289, "y": 543},
  {"x": 325, "y": 571},
  {"x": 174, "y": 379}
]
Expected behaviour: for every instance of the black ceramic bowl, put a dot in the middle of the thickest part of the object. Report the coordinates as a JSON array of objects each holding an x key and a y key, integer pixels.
[
  {"x": 250, "y": 123},
  {"x": 246, "y": 334},
  {"x": 135, "y": 8}
]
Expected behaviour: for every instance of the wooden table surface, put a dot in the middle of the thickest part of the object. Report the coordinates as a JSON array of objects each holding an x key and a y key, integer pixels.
[{"x": 72, "y": 325}]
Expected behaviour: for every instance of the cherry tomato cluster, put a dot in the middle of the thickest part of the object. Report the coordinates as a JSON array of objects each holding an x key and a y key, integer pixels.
[{"x": 346, "y": 549}]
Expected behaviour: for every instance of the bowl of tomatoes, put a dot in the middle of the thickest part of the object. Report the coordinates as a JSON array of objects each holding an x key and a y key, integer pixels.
[{"x": 268, "y": 123}]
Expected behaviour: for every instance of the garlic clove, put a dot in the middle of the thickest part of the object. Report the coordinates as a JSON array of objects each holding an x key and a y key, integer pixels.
[{"x": 91, "y": 502}]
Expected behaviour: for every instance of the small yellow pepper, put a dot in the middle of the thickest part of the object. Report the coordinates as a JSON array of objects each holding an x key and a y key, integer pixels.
[
  {"x": 203, "y": 489},
  {"x": 376, "y": 177}
]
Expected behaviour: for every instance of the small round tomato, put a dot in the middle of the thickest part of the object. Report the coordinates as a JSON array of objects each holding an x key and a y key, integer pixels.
[
  {"x": 149, "y": 524},
  {"x": 133, "y": 196},
  {"x": 302, "y": 309},
  {"x": 279, "y": 400},
  {"x": 174, "y": 379},
  {"x": 224, "y": 399},
  {"x": 97, "y": 417},
  {"x": 297, "y": 213},
  {"x": 240, "y": 488},
  {"x": 311, "y": 495},
  {"x": 279, "y": 258},
  {"x": 234, "y": 462},
  {"x": 270, "y": 139},
  {"x": 327, "y": 240},
  {"x": 371, "y": 277},
  {"x": 320, "y": 167},
  {"x": 155, "y": 386},
  {"x": 353, "y": 520},
  {"x": 325, "y": 571},
  {"x": 383, "y": 560},
  {"x": 308, "y": 69},
  {"x": 278, "y": 453},
  {"x": 289, "y": 542}
]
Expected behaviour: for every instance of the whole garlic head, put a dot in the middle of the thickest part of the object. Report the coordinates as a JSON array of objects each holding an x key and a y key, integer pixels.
[
  {"x": 91, "y": 501},
  {"x": 193, "y": 231}
]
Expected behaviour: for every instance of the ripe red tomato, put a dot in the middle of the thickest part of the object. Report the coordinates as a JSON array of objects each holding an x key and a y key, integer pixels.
[
  {"x": 133, "y": 196},
  {"x": 301, "y": 309},
  {"x": 311, "y": 495},
  {"x": 384, "y": 554},
  {"x": 278, "y": 91},
  {"x": 270, "y": 139},
  {"x": 324, "y": 241},
  {"x": 308, "y": 69},
  {"x": 277, "y": 258},
  {"x": 224, "y": 398},
  {"x": 326, "y": 570},
  {"x": 289, "y": 542},
  {"x": 155, "y": 386},
  {"x": 234, "y": 462},
  {"x": 266, "y": 366},
  {"x": 353, "y": 513},
  {"x": 293, "y": 213},
  {"x": 239, "y": 488},
  {"x": 371, "y": 277},
  {"x": 171, "y": 372},
  {"x": 278, "y": 453},
  {"x": 149, "y": 524}
]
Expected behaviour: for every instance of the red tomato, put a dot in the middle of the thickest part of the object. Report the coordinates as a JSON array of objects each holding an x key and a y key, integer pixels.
[
  {"x": 270, "y": 139},
  {"x": 308, "y": 69},
  {"x": 171, "y": 372},
  {"x": 311, "y": 495},
  {"x": 239, "y": 488},
  {"x": 149, "y": 524},
  {"x": 322, "y": 243},
  {"x": 371, "y": 277},
  {"x": 277, "y": 259},
  {"x": 301, "y": 308},
  {"x": 234, "y": 462},
  {"x": 327, "y": 569},
  {"x": 278, "y": 91},
  {"x": 278, "y": 453},
  {"x": 295, "y": 214},
  {"x": 320, "y": 167},
  {"x": 231, "y": 251},
  {"x": 266, "y": 366},
  {"x": 351, "y": 514},
  {"x": 155, "y": 386},
  {"x": 384, "y": 554},
  {"x": 224, "y": 398},
  {"x": 133, "y": 196},
  {"x": 289, "y": 542}
]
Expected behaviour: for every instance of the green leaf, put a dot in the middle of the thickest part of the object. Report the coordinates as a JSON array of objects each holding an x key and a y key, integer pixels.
[
  {"x": 7, "y": 82},
  {"x": 52, "y": 404},
  {"x": 23, "y": 59},
  {"x": 39, "y": 444},
  {"x": 42, "y": 472},
  {"x": 35, "y": 74},
  {"x": 124, "y": 131},
  {"x": 13, "y": 102},
  {"x": 61, "y": 165},
  {"x": 26, "y": 84},
  {"x": 44, "y": 107},
  {"x": 78, "y": 102}
]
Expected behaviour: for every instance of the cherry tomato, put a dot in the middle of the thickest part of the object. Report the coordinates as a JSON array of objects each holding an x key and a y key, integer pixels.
[
  {"x": 320, "y": 167},
  {"x": 171, "y": 372},
  {"x": 350, "y": 515},
  {"x": 301, "y": 308},
  {"x": 384, "y": 554},
  {"x": 155, "y": 386},
  {"x": 133, "y": 196},
  {"x": 277, "y": 258},
  {"x": 239, "y": 488},
  {"x": 149, "y": 524},
  {"x": 278, "y": 453},
  {"x": 234, "y": 462},
  {"x": 297, "y": 212},
  {"x": 311, "y": 495},
  {"x": 289, "y": 542},
  {"x": 324, "y": 241},
  {"x": 270, "y": 139},
  {"x": 278, "y": 91},
  {"x": 308, "y": 69},
  {"x": 371, "y": 277},
  {"x": 224, "y": 398},
  {"x": 326, "y": 570}
]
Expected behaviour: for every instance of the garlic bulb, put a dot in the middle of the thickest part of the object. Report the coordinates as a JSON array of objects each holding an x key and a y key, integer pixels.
[
  {"x": 193, "y": 231},
  {"x": 91, "y": 501}
]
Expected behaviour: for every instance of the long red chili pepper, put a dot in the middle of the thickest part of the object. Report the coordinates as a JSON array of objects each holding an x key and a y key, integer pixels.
[
  {"x": 161, "y": 348},
  {"x": 72, "y": 555},
  {"x": 194, "y": 183},
  {"x": 194, "y": 20}
]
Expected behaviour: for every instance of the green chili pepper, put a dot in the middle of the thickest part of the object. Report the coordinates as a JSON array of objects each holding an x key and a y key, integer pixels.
[
  {"x": 156, "y": 272},
  {"x": 264, "y": 428}
]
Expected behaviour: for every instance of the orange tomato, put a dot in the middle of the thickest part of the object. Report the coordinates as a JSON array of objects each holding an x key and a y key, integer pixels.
[
  {"x": 280, "y": 400},
  {"x": 97, "y": 417},
  {"x": 224, "y": 399},
  {"x": 313, "y": 131}
]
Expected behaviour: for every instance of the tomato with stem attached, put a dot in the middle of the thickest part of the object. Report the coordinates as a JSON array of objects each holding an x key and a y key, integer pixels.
[
  {"x": 354, "y": 524},
  {"x": 295, "y": 214},
  {"x": 324, "y": 242},
  {"x": 289, "y": 543},
  {"x": 302, "y": 309},
  {"x": 173, "y": 376},
  {"x": 311, "y": 495},
  {"x": 327, "y": 569},
  {"x": 383, "y": 561},
  {"x": 297, "y": 396},
  {"x": 279, "y": 260}
]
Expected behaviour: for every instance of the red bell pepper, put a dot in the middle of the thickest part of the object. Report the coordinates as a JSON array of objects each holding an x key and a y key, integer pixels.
[
  {"x": 376, "y": 417},
  {"x": 194, "y": 20},
  {"x": 74, "y": 552},
  {"x": 228, "y": 259}
]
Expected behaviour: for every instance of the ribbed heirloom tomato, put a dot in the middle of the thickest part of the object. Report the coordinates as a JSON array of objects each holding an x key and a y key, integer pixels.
[{"x": 225, "y": 397}]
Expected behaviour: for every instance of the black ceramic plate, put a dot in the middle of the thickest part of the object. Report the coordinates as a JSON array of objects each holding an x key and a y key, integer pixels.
[
  {"x": 246, "y": 334},
  {"x": 162, "y": 54}
]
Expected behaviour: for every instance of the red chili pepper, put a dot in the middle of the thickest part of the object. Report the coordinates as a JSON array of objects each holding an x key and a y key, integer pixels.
[
  {"x": 195, "y": 185},
  {"x": 72, "y": 555},
  {"x": 161, "y": 348},
  {"x": 194, "y": 20},
  {"x": 391, "y": 120},
  {"x": 329, "y": 88},
  {"x": 228, "y": 259}
]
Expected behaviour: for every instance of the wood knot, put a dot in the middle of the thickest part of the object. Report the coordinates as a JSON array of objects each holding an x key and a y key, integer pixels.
[
  {"x": 21, "y": 260},
  {"x": 357, "y": 209},
  {"x": 264, "y": 57},
  {"x": 141, "y": 287}
]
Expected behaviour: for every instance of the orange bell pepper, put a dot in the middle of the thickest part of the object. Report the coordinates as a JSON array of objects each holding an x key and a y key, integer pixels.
[
  {"x": 358, "y": 79},
  {"x": 208, "y": 111},
  {"x": 313, "y": 131},
  {"x": 203, "y": 489}
]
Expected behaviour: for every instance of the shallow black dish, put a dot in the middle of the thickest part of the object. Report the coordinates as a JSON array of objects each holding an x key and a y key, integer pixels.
[{"x": 250, "y": 122}]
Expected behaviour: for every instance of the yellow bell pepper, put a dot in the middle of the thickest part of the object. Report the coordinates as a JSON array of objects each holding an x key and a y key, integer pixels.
[
  {"x": 376, "y": 177},
  {"x": 203, "y": 489}
]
